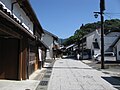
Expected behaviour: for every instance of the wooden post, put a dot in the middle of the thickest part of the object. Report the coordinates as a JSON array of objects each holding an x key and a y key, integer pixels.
[
  {"x": 23, "y": 59},
  {"x": 20, "y": 61},
  {"x": 36, "y": 58}
]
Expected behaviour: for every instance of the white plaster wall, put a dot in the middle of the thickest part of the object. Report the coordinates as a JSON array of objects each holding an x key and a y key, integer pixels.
[
  {"x": 118, "y": 49},
  {"x": 98, "y": 37},
  {"x": 90, "y": 41},
  {"x": 48, "y": 40},
  {"x": 7, "y": 3},
  {"x": 19, "y": 13}
]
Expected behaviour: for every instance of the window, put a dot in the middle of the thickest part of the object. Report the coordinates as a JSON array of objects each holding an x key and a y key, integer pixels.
[
  {"x": 108, "y": 54},
  {"x": 119, "y": 52}
]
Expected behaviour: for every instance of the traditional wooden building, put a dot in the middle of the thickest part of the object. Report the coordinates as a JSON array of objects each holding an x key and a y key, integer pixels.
[{"x": 18, "y": 40}]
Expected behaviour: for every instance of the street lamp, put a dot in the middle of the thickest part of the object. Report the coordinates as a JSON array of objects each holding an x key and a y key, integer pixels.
[
  {"x": 96, "y": 14},
  {"x": 102, "y": 8}
]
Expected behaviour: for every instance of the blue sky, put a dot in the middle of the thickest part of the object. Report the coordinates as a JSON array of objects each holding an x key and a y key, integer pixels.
[{"x": 63, "y": 17}]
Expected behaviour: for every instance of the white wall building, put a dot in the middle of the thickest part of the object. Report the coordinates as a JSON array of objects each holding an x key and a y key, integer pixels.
[
  {"x": 86, "y": 44},
  {"x": 89, "y": 39},
  {"x": 92, "y": 41},
  {"x": 50, "y": 40},
  {"x": 109, "y": 39}
]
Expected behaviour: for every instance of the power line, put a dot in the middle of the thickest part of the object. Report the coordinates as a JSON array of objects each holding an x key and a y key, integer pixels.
[
  {"x": 108, "y": 16},
  {"x": 112, "y": 13}
]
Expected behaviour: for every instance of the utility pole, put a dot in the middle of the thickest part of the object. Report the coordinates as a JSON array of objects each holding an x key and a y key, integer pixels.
[{"x": 102, "y": 8}]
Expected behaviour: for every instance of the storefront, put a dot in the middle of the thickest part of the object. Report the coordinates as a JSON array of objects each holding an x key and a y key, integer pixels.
[{"x": 13, "y": 48}]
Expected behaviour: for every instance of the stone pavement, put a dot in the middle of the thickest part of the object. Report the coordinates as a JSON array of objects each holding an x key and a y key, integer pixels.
[
  {"x": 64, "y": 74},
  {"x": 30, "y": 84},
  {"x": 68, "y": 74},
  {"x": 18, "y": 85}
]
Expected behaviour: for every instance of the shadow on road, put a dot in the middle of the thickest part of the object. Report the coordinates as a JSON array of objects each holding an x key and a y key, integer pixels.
[
  {"x": 115, "y": 81},
  {"x": 112, "y": 80}
]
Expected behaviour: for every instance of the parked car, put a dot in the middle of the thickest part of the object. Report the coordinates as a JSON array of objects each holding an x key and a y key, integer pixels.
[{"x": 108, "y": 56}]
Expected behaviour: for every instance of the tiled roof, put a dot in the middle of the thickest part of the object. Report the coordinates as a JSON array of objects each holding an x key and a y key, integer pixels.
[
  {"x": 11, "y": 17},
  {"x": 54, "y": 36}
]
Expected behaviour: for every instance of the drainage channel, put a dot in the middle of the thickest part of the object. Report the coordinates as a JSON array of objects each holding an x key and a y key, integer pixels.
[{"x": 45, "y": 80}]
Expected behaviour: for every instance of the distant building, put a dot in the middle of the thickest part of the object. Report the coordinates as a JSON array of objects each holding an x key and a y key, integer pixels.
[
  {"x": 90, "y": 44},
  {"x": 86, "y": 43},
  {"x": 109, "y": 39},
  {"x": 51, "y": 41},
  {"x": 116, "y": 48},
  {"x": 70, "y": 50}
]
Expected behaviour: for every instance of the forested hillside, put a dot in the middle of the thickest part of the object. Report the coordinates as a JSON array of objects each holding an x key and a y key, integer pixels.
[{"x": 113, "y": 24}]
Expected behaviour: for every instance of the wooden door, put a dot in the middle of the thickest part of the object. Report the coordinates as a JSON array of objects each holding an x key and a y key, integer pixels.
[{"x": 9, "y": 52}]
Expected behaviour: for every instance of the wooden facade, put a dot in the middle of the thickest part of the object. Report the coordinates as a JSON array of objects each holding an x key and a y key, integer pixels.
[
  {"x": 18, "y": 47},
  {"x": 9, "y": 58}
]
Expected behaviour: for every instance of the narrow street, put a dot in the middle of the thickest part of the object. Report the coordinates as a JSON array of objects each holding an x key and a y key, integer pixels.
[
  {"x": 69, "y": 74},
  {"x": 59, "y": 45},
  {"x": 64, "y": 74}
]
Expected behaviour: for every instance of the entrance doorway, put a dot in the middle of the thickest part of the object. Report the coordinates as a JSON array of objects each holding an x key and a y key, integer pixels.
[{"x": 9, "y": 58}]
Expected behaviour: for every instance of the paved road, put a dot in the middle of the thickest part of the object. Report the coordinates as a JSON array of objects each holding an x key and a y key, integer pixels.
[{"x": 68, "y": 74}]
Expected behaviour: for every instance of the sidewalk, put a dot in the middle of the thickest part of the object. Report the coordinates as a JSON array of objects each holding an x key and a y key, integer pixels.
[
  {"x": 18, "y": 85},
  {"x": 30, "y": 84},
  {"x": 68, "y": 74}
]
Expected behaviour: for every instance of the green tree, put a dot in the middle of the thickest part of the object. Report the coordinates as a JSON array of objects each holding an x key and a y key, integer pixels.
[{"x": 109, "y": 25}]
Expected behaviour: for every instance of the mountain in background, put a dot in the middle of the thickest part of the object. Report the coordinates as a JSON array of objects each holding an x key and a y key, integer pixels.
[
  {"x": 61, "y": 41},
  {"x": 109, "y": 25}
]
